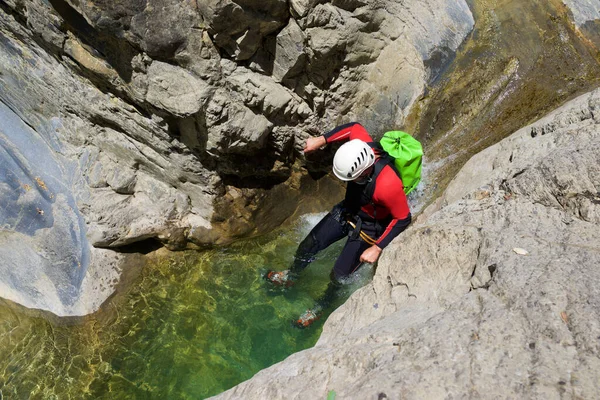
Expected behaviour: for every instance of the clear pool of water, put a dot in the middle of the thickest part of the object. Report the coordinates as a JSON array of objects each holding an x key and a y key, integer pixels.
[{"x": 190, "y": 326}]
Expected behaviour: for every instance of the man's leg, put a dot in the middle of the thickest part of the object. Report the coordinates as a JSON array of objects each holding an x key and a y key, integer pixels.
[
  {"x": 349, "y": 259},
  {"x": 330, "y": 229},
  {"x": 347, "y": 262}
]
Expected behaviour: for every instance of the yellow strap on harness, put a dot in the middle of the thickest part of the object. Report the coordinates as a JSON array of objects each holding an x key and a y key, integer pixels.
[{"x": 368, "y": 239}]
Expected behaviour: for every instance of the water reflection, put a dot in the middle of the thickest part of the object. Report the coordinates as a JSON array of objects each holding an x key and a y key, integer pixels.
[{"x": 192, "y": 325}]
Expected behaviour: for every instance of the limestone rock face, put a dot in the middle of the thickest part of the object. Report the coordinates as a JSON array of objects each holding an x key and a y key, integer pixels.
[
  {"x": 179, "y": 122},
  {"x": 492, "y": 292},
  {"x": 158, "y": 26},
  {"x": 174, "y": 90},
  {"x": 290, "y": 52}
]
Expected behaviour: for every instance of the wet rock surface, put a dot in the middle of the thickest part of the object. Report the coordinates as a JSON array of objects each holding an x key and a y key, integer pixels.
[{"x": 492, "y": 292}]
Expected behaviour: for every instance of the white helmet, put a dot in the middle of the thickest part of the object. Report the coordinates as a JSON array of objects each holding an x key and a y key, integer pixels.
[{"x": 352, "y": 159}]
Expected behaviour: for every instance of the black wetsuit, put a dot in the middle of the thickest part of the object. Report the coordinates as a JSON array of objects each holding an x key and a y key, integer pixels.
[{"x": 378, "y": 210}]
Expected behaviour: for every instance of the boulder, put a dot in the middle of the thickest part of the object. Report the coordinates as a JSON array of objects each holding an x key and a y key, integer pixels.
[
  {"x": 163, "y": 26},
  {"x": 233, "y": 127},
  {"x": 200, "y": 56},
  {"x": 265, "y": 95}
]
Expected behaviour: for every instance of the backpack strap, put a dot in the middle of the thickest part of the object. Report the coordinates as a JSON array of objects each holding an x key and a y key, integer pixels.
[
  {"x": 380, "y": 163},
  {"x": 383, "y": 159}
]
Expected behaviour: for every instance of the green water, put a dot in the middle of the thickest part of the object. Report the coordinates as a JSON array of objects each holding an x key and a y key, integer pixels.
[{"x": 190, "y": 326}]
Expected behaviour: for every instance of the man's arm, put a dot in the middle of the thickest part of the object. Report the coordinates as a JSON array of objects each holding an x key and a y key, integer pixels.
[
  {"x": 371, "y": 254},
  {"x": 396, "y": 227},
  {"x": 314, "y": 143},
  {"x": 350, "y": 131}
]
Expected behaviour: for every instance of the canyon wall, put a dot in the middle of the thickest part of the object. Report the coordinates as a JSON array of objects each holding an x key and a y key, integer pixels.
[{"x": 127, "y": 125}]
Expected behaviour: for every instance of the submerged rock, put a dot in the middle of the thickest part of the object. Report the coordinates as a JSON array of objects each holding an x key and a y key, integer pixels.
[{"x": 454, "y": 309}]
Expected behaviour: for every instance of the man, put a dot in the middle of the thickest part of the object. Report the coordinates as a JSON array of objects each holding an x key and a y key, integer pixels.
[{"x": 373, "y": 212}]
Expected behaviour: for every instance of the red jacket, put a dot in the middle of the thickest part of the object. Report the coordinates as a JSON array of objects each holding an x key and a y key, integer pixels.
[{"x": 389, "y": 200}]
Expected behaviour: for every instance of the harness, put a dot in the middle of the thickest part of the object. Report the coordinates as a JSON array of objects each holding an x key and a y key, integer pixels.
[{"x": 356, "y": 232}]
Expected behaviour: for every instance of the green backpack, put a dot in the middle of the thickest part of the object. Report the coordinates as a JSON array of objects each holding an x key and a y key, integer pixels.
[{"x": 407, "y": 153}]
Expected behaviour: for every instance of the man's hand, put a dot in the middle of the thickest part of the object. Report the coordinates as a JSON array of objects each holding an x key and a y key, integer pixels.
[
  {"x": 314, "y": 143},
  {"x": 371, "y": 254}
]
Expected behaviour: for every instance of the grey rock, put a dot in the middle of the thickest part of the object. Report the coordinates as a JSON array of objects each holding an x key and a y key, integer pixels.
[
  {"x": 265, "y": 95},
  {"x": 233, "y": 127},
  {"x": 46, "y": 21},
  {"x": 200, "y": 56},
  {"x": 44, "y": 250},
  {"x": 453, "y": 310},
  {"x": 122, "y": 219},
  {"x": 158, "y": 27},
  {"x": 175, "y": 90},
  {"x": 514, "y": 157},
  {"x": 122, "y": 180},
  {"x": 82, "y": 182},
  {"x": 290, "y": 53},
  {"x": 163, "y": 26},
  {"x": 584, "y": 10},
  {"x": 363, "y": 56},
  {"x": 299, "y": 8},
  {"x": 239, "y": 27}
]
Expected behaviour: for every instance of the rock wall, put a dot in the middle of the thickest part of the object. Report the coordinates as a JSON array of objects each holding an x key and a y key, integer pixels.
[
  {"x": 492, "y": 293},
  {"x": 228, "y": 86},
  {"x": 522, "y": 60},
  {"x": 182, "y": 122}
]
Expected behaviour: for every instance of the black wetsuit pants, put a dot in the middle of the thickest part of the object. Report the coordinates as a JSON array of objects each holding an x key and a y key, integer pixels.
[{"x": 330, "y": 229}]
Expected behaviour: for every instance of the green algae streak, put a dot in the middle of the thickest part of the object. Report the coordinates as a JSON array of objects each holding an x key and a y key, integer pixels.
[
  {"x": 522, "y": 60},
  {"x": 191, "y": 325}
]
